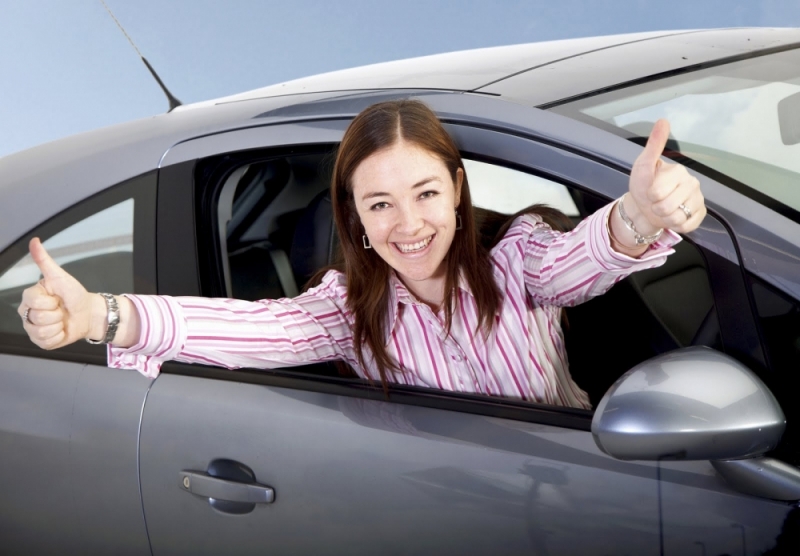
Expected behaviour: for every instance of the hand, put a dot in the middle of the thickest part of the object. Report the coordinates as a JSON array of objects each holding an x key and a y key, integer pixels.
[
  {"x": 59, "y": 307},
  {"x": 659, "y": 190}
]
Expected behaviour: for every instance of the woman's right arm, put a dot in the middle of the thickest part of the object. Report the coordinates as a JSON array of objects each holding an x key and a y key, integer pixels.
[
  {"x": 58, "y": 311},
  {"x": 226, "y": 332}
]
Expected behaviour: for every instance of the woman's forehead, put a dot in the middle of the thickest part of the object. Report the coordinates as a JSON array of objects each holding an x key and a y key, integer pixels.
[{"x": 400, "y": 166}]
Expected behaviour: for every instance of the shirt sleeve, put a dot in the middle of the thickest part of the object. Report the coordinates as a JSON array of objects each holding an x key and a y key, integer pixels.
[
  {"x": 565, "y": 269},
  {"x": 311, "y": 327}
]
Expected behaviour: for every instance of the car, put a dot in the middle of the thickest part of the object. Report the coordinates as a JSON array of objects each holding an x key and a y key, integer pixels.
[{"x": 693, "y": 446}]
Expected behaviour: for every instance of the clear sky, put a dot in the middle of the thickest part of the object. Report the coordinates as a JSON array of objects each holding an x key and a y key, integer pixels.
[{"x": 65, "y": 67}]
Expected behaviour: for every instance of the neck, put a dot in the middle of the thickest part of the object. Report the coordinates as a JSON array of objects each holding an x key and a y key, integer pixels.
[{"x": 430, "y": 292}]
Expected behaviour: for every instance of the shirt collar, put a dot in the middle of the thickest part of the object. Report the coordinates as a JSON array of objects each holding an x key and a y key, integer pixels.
[{"x": 399, "y": 293}]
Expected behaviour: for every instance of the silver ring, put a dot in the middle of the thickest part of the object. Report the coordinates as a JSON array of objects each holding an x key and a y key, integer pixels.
[
  {"x": 26, "y": 316},
  {"x": 685, "y": 210}
]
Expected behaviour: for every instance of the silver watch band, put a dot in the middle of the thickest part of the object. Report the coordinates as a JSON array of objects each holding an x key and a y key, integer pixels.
[{"x": 112, "y": 319}]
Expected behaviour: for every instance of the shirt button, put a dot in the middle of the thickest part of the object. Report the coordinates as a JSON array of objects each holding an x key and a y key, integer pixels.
[{"x": 457, "y": 358}]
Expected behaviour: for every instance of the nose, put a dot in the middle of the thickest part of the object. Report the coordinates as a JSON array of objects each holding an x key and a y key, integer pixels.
[{"x": 410, "y": 220}]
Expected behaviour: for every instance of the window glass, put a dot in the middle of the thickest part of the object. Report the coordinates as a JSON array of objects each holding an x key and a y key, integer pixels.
[
  {"x": 739, "y": 119},
  {"x": 506, "y": 191},
  {"x": 97, "y": 250},
  {"x": 779, "y": 317}
]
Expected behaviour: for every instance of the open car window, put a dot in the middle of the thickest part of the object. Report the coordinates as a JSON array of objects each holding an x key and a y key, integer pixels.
[
  {"x": 274, "y": 230},
  {"x": 105, "y": 242}
]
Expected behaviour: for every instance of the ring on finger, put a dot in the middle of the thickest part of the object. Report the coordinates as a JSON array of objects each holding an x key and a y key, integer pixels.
[
  {"x": 685, "y": 210},
  {"x": 27, "y": 317}
]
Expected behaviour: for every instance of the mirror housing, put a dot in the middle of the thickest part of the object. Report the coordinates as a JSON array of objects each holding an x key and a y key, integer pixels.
[{"x": 691, "y": 404}]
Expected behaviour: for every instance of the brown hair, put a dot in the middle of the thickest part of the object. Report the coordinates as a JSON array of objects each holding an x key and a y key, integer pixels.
[{"x": 379, "y": 127}]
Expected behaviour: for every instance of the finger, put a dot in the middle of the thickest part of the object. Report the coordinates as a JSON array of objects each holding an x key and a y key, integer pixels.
[
  {"x": 43, "y": 260},
  {"x": 43, "y": 335},
  {"x": 36, "y": 297},
  {"x": 680, "y": 195},
  {"x": 43, "y": 318},
  {"x": 697, "y": 207},
  {"x": 666, "y": 180},
  {"x": 655, "y": 144}
]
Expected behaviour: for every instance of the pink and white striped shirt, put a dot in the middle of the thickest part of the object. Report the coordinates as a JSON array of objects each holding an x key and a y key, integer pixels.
[{"x": 537, "y": 269}]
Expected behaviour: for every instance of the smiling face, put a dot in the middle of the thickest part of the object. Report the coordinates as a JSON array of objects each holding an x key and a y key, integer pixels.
[{"x": 406, "y": 200}]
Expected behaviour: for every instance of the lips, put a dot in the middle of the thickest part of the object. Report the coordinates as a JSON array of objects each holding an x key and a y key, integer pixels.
[{"x": 414, "y": 247}]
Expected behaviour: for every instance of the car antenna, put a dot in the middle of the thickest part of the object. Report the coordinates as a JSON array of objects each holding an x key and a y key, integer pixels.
[{"x": 173, "y": 102}]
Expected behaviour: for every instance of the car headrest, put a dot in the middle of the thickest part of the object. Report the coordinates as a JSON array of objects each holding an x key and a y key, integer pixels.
[{"x": 315, "y": 241}]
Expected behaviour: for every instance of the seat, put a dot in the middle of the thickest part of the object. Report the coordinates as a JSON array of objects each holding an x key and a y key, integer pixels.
[{"x": 315, "y": 243}]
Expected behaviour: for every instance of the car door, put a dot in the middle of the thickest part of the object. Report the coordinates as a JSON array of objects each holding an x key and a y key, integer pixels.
[
  {"x": 304, "y": 461},
  {"x": 69, "y": 425}
]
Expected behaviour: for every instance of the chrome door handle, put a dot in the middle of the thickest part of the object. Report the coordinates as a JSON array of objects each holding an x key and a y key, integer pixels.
[{"x": 202, "y": 484}]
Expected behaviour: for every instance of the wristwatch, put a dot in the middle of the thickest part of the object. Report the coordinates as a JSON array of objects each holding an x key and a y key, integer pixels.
[{"x": 113, "y": 320}]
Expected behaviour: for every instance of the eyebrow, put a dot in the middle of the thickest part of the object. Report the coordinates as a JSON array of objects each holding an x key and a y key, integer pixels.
[{"x": 420, "y": 183}]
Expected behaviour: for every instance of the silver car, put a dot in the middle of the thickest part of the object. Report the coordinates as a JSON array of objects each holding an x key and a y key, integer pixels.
[{"x": 693, "y": 446}]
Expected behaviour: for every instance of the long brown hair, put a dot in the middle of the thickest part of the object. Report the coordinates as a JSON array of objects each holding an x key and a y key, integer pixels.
[{"x": 379, "y": 127}]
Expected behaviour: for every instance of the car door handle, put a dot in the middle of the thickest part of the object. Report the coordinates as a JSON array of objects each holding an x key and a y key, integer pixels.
[{"x": 202, "y": 484}]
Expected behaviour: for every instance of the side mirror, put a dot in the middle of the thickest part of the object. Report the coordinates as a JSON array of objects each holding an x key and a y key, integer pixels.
[{"x": 693, "y": 404}]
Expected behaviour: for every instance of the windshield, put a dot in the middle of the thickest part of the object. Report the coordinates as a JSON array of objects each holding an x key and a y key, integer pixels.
[{"x": 740, "y": 120}]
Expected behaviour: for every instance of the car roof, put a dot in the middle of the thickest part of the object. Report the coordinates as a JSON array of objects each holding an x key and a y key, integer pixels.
[
  {"x": 62, "y": 172},
  {"x": 540, "y": 73}
]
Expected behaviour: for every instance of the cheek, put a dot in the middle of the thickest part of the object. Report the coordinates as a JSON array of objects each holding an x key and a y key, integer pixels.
[{"x": 376, "y": 226}]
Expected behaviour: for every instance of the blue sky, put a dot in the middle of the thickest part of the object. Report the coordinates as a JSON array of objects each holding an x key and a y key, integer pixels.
[{"x": 67, "y": 68}]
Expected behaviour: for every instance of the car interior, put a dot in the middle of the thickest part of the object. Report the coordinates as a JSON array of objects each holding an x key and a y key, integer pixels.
[{"x": 274, "y": 240}]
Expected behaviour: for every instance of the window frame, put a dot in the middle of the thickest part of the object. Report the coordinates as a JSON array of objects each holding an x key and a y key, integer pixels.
[
  {"x": 514, "y": 150},
  {"x": 142, "y": 189}
]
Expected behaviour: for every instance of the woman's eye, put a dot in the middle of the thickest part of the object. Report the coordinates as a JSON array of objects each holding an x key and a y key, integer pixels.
[
  {"x": 379, "y": 206},
  {"x": 428, "y": 194}
]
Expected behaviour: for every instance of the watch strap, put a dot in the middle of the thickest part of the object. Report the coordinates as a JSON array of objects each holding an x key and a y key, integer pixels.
[{"x": 112, "y": 319}]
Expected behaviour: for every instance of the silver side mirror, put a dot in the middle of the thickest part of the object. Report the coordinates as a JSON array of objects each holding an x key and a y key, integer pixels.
[
  {"x": 698, "y": 404},
  {"x": 693, "y": 404}
]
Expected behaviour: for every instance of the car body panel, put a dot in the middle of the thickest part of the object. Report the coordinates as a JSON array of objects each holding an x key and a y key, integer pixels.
[
  {"x": 355, "y": 476},
  {"x": 69, "y": 434}
]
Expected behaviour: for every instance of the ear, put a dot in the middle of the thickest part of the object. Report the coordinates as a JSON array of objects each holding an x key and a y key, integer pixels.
[{"x": 457, "y": 185}]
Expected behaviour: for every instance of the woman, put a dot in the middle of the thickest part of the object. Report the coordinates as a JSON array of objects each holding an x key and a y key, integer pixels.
[{"x": 419, "y": 301}]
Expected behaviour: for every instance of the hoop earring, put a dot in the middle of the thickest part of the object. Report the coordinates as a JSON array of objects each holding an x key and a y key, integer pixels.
[
  {"x": 458, "y": 221},
  {"x": 366, "y": 242}
]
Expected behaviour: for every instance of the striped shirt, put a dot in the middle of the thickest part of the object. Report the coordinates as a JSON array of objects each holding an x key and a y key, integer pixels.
[{"x": 538, "y": 271}]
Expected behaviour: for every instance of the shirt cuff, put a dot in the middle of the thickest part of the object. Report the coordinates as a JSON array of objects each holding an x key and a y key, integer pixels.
[
  {"x": 161, "y": 339},
  {"x": 610, "y": 260}
]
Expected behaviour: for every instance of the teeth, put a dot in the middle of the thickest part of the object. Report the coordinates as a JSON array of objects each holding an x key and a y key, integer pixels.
[{"x": 411, "y": 247}]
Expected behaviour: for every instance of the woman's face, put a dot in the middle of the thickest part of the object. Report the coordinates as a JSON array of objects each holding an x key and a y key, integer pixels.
[{"x": 406, "y": 200}]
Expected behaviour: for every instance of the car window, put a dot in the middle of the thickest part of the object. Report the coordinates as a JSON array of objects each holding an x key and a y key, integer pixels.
[
  {"x": 94, "y": 241},
  {"x": 506, "y": 190},
  {"x": 97, "y": 251},
  {"x": 779, "y": 317},
  {"x": 737, "y": 121},
  {"x": 274, "y": 230}
]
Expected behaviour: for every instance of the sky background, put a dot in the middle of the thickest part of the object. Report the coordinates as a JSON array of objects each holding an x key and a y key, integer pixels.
[{"x": 65, "y": 67}]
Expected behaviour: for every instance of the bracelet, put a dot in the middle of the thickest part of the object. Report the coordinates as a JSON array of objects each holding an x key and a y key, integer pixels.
[
  {"x": 112, "y": 319},
  {"x": 639, "y": 238}
]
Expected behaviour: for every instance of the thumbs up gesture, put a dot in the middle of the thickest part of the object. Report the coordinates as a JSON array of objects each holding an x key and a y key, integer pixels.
[
  {"x": 57, "y": 310},
  {"x": 663, "y": 195}
]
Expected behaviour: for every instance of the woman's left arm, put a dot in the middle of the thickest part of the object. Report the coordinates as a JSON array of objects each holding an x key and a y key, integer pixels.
[
  {"x": 570, "y": 268},
  {"x": 661, "y": 196}
]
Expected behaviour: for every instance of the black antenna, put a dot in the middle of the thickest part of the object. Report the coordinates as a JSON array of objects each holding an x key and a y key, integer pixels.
[{"x": 173, "y": 102}]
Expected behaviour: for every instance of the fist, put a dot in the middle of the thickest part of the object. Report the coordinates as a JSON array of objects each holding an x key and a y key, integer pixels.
[
  {"x": 57, "y": 310},
  {"x": 664, "y": 194}
]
